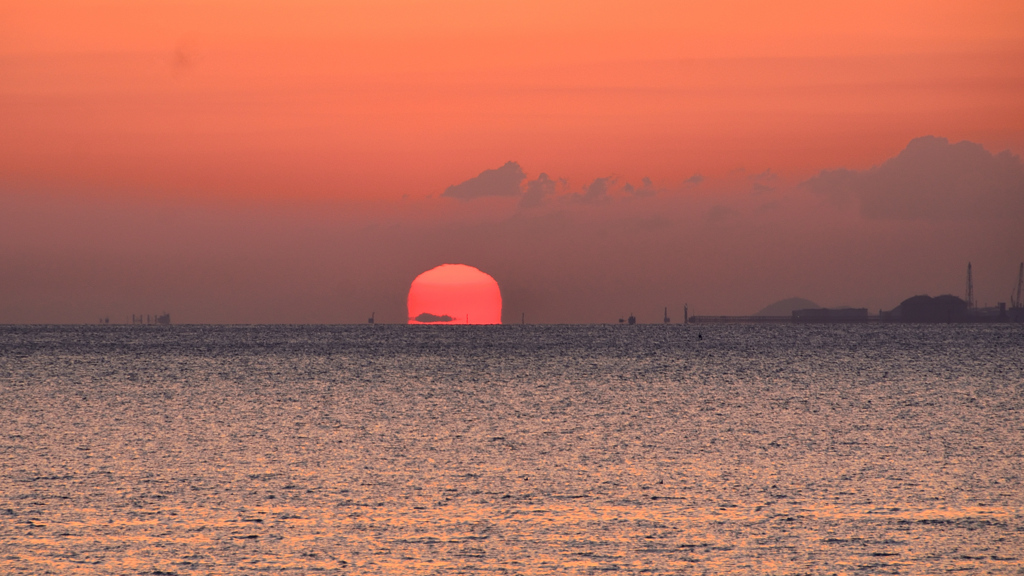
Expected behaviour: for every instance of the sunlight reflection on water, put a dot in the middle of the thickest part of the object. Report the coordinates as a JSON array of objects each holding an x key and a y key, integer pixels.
[{"x": 511, "y": 449}]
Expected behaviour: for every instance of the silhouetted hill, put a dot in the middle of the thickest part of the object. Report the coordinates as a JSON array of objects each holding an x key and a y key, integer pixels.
[
  {"x": 786, "y": 307},
  {"x": 924, "y": 308}
]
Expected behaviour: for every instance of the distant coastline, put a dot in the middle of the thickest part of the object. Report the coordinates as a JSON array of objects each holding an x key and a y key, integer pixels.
[{"x": 924, "y": 309}]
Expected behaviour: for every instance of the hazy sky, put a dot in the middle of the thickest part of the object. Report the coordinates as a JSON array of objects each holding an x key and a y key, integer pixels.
[{"x": 303, "y": 161}]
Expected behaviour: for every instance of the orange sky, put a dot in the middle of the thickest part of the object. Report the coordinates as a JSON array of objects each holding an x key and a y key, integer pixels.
[
  {"x": 353, "y": 106},
  {"x": 387, "y": 98}
]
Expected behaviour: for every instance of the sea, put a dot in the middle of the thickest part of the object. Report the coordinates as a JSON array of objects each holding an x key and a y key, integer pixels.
[{"x": 594, "y": 449}]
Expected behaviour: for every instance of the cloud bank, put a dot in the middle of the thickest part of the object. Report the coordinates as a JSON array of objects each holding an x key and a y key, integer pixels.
[
  {"x": 596, "y": 191},
  {"x": 507, "y": 181},
  {"x": 537, "y": 190},
  {"x": 646, "y": 188},
  {"x": 719, "y": 247},
  {"x": 502, "y": 181},
  {"x": 931, "y": 179}
]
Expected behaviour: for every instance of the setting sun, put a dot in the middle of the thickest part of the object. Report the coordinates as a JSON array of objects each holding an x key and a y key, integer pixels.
[{"x": 454, "y": 294}]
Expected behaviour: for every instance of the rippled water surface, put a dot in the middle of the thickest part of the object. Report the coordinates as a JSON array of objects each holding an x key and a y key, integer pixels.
[{"x": 512, "y": 449}]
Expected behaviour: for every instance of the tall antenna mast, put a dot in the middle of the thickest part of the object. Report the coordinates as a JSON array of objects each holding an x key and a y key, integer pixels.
[
  {"x": 1015, "y": 299},
  {"x": 970, "y": 289}
]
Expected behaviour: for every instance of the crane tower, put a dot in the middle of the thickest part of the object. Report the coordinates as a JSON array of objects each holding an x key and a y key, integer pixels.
[
  {"x": 1015, "y": 299},
  {"x": 970, "y": 289}
]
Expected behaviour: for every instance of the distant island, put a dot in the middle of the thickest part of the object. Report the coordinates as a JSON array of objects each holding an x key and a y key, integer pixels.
[
  {"x": 428, "y": 317},
  {"x": 916, "y": 309},
  {"x": 786, "y": 307}
]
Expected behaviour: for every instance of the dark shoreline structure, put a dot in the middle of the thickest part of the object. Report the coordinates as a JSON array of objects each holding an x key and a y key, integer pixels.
[{"x": 917, "y": 309}]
